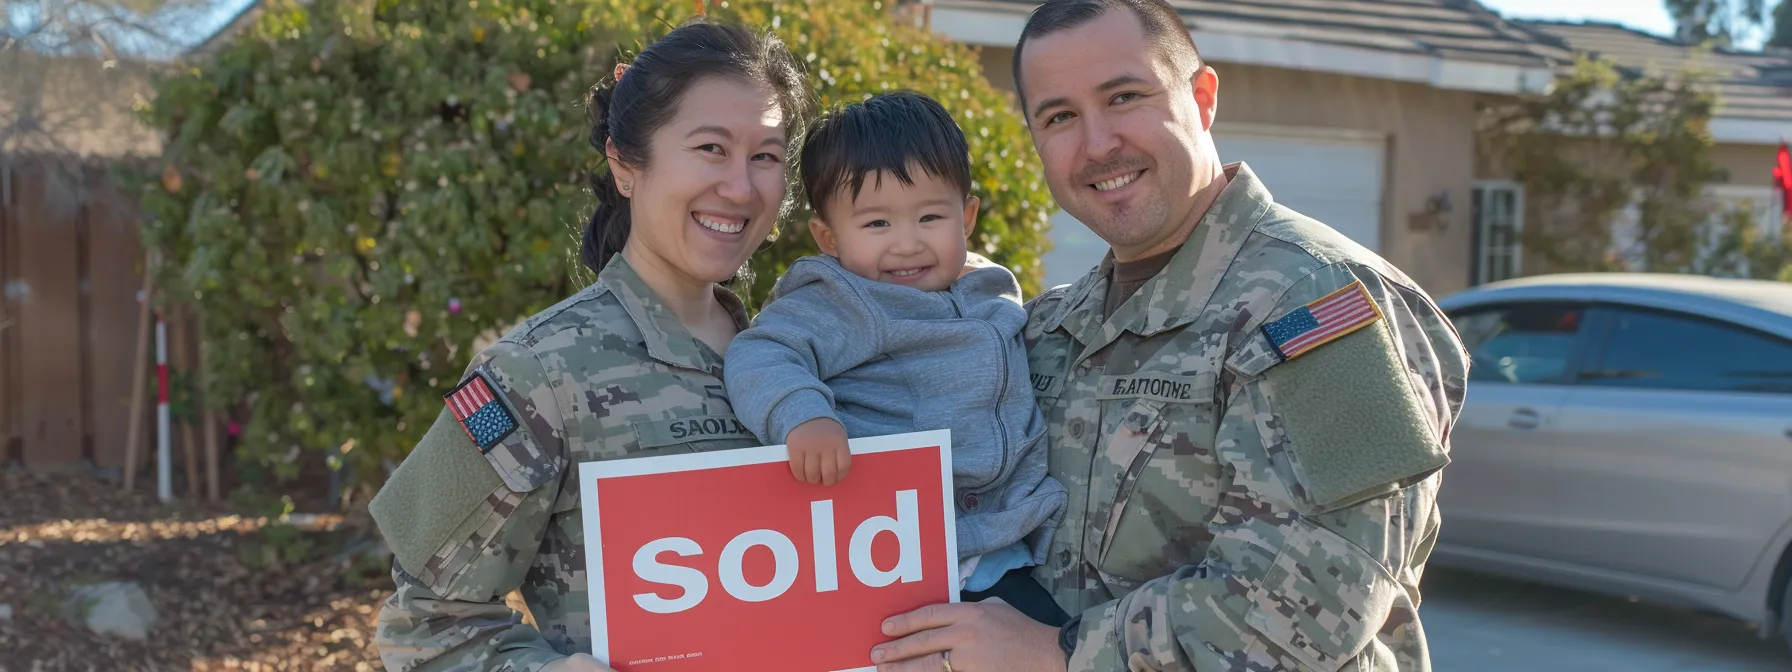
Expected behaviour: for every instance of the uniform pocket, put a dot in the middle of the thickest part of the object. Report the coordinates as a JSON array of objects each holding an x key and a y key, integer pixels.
[
  {"x": 1323, "y": 599},
  {"x": 1166, "y": 492},
  {"x": 1132, "y": 446}
]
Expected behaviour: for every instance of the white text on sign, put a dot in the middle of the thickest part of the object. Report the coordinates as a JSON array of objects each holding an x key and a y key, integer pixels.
[{"x": 785, "y": 560}]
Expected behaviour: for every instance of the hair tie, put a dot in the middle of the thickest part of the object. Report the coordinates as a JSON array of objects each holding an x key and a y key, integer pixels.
[{"x": 620, "y": 68}]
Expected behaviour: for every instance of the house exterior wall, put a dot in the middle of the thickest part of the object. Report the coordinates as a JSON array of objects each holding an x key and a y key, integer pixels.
[
  {"x": 1748, "y": 165},
  {"x": 80, "y": 108},
  {"x": 1430, "y": 150}
]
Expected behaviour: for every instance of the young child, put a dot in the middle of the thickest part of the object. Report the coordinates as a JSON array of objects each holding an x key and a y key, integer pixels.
[{"x": 892, "y": 331}]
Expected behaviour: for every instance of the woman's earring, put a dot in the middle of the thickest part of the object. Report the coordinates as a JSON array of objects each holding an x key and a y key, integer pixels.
[{"x": 625, "y": 188}]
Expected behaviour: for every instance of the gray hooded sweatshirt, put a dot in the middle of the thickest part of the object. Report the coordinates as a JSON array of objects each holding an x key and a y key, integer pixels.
[{"x": 888, "y": 359}]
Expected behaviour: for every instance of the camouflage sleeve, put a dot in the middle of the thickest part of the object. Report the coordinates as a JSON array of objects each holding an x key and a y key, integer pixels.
[
  {"x": 1332, "y": 447},
  {"x": 464, "y": 514}
]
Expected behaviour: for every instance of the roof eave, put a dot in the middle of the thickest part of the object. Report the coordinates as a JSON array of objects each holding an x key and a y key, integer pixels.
[
  {"x": 993, "y": 27},
  {"x": 1749, "y": 131}
]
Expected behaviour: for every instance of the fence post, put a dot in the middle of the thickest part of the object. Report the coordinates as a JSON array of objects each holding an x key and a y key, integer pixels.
[
  {"x": 164, "y": 456},
  {"x": 207, "y": 416},
  {"x": 138, "y": 383}
]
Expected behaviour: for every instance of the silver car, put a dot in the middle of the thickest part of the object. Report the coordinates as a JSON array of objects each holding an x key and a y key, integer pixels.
[{"x": 1628, "y": 434}]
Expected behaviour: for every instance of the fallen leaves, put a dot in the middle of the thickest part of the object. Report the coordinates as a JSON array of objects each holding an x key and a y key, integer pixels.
[{"x": 61, "y": 531}]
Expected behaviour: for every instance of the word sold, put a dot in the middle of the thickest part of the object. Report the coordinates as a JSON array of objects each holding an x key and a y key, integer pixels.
[{"x": 905, "y": 526}]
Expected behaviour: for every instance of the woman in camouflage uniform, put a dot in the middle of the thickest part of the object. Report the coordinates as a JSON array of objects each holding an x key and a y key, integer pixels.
[{"x": 697, "y": 132}]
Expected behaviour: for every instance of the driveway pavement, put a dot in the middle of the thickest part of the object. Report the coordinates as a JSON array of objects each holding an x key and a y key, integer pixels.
[{"x": 1478, "y": 623}]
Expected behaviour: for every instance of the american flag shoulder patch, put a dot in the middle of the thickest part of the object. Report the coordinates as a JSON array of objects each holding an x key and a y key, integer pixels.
[
  {"x": 1322, "y": 321},
  {"x": 481, "y": 414}
]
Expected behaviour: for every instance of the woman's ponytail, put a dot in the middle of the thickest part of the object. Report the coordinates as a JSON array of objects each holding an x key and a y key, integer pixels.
[{"x": 607, "y": 230}]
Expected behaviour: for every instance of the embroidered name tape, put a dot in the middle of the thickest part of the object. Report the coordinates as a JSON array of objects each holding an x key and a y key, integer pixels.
[
  {"x": 1161, "y": 387},
  {"x": 1322, "y": 321},
  {"x": 683, "y": 430},
  {"x": 480, "y": 413}
]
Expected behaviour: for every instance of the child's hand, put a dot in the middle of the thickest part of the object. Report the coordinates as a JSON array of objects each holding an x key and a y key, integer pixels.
[{"x": 818, "y": 452}]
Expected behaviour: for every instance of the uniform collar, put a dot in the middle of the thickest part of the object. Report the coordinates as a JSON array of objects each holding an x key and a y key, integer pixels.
[
  {"x": 666, "y": 338},
  {"x": 1177, "y": 294}
]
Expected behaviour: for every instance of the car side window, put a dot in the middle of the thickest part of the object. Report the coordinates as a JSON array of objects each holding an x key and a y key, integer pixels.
[
  {"x": 1660, "y": 350},
  {"x": 1522, "y": 343}
]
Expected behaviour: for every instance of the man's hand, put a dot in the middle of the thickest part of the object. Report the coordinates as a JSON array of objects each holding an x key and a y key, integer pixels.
[
  {"x": 578, "y": 662},
  {"x": 987, "y": 636},
  {"x": 818, "y": 452}
]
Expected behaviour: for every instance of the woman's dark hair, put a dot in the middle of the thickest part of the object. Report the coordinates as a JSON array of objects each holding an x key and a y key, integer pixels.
[{"x": 628, "y": 110}]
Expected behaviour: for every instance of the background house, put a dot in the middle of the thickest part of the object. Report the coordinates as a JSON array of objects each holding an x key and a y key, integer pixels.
[
  {"x": 1359, "y": 113},
  {"x": 1364, "y": 113},
  {"x": 1753, "y": 117}
]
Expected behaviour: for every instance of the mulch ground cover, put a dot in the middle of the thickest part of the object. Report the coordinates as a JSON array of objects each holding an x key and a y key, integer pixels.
[{"x": 224, "y": 597}]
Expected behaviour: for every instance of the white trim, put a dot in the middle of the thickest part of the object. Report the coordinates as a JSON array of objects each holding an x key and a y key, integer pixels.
[
  {"x": 1749, "y": 131},
  {"x": 981, "y": 28},
  {"x": 994, "y": 28},
  {"x": 1223, "y": 128},
  {"x": 1747, "y": 191}
]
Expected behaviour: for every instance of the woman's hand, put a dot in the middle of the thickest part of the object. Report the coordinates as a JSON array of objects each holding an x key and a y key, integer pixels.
[
  {"x": 578, "y": 662},
  {"x": 818, "y": 452}
]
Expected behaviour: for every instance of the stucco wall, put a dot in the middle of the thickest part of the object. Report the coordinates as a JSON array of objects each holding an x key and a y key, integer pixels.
[{"x": 1748, "y": 165}]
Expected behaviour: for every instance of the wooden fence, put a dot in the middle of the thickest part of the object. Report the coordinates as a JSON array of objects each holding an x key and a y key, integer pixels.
[{"x": 72, "y": 265}]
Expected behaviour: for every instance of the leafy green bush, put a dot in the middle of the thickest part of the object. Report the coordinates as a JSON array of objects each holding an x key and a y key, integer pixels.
[{"x": 356, "y": 192}]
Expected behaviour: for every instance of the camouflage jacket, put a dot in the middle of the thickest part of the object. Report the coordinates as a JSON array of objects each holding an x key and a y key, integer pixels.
[
  {"x": 1256, "y": 438},
  {"x": 486, "y": 507}
]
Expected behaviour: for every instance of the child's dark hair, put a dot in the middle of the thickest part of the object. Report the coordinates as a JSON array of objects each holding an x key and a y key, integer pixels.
[
  {"x": 628, "y": 110},
  {"x": 890, "y": 132}
]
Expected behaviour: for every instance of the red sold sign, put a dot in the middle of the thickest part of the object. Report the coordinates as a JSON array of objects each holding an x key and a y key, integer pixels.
[{"x": 723, "y": 561}]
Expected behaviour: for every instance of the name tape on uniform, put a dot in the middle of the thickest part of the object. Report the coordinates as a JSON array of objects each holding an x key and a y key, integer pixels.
[
  {"x": 1158, "y": 386},
  {"x": 698, "y": 428}
]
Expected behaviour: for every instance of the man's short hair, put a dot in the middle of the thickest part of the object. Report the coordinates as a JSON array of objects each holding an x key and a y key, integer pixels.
[
  {"x": 1164, "y": 30},
  {"x": 889, "y": 133}
]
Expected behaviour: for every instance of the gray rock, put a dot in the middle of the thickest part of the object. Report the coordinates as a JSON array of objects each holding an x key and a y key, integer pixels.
[
  {"x": 5, "y": 612},
  {"x": 116, "y": 608}
]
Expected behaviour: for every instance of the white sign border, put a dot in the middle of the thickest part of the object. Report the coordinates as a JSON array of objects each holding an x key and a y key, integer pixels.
[{"x": 590, "y": 473}]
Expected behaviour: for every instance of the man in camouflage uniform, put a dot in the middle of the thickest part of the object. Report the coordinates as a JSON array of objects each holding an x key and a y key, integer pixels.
[
  {"x": 490, "y": 505},
  {"x": 1250, "y": 411}
]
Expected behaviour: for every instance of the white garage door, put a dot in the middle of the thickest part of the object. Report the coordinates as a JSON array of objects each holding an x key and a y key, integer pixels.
[{"x": 1336, "y": 179}]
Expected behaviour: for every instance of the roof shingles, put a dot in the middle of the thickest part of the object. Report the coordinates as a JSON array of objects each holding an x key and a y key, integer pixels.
[
  {"x": 1750, "y": 85},
  {"x": 1458, "y": 29}
]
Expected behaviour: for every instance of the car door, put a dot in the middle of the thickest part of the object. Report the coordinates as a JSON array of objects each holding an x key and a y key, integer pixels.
[
  {"x": 1675, "y": 447},
  {"x": 1497, "y": 493}
]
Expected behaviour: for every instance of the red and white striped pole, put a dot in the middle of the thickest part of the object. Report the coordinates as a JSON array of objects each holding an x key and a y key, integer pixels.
[{"x": 164, "y": 455}]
